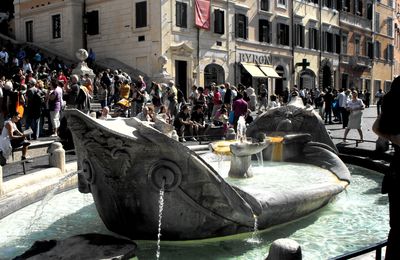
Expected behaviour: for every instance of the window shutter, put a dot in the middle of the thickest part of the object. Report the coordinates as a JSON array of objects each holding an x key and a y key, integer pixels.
[
  {"x": 246, "y": 28},
  {"x": 260, "y": 30},
  {"x": 184, "y": 14}
]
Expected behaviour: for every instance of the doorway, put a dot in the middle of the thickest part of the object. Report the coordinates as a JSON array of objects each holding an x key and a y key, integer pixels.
[
  {"x": 279, "y": 81},
  {"x": 214, "y": 73},
  {"x": 181, "y": 76},
  {"x": 326, "y": 77}
]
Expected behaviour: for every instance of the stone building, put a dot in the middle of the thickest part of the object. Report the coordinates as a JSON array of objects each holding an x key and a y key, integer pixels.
[
  {"x": 383, "y": 69},
  {"x": 279, "y": 43},
  {"x": 396, "y": 62},
  {"x": 356, "y": 21}
]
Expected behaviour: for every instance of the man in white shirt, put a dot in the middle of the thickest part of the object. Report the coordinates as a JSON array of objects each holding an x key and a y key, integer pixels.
[{"x": 342, "y": 99}]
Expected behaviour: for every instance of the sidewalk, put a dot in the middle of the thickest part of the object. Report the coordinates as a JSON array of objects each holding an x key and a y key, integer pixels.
[{"x": 368, "y": 119}]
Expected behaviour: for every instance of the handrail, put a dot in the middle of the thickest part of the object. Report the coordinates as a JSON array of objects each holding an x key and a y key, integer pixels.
[{"x": 377, "y": 247}]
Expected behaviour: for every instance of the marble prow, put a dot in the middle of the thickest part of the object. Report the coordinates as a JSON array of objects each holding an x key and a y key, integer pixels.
[{"x": 124, "y": 171}]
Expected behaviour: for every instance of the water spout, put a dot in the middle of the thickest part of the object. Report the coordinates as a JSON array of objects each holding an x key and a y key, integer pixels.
[
  {"x": 39, "y": 210},
  {"x": 255, "y": 239},
  {"x": 160, "y": 212},
  {"x": 241, "y": 129}
]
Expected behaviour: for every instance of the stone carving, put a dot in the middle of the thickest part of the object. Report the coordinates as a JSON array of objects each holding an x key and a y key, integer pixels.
[
  {"x": 82, "y": 68},
  {"x": 125, "y": 162}
]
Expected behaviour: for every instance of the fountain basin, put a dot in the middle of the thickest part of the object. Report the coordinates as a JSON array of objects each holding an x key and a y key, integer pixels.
[
  {"x": 123, "y": 161},
  {"x": 355, "y": 219}
]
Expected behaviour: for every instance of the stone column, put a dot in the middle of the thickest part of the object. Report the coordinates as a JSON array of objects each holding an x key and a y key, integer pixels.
[{"x": 57, "y": 156}]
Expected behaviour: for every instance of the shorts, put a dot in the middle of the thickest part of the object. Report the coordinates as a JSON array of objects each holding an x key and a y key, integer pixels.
[
  {"x": 55, "y": 118},
  {"x": 18, "y": 142}
]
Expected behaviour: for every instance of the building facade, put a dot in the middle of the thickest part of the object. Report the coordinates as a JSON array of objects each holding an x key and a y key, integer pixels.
[{"x": 312, "y": 43}]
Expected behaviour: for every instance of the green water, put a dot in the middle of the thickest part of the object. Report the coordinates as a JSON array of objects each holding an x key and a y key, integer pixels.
[{"x": 358, "y": 217}]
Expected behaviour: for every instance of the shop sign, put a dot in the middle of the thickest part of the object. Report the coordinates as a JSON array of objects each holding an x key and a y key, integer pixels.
[{"x": 255, "y": 58}]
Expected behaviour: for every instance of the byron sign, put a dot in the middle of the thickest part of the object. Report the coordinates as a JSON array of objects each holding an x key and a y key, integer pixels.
[{"x": 249, "y": 57}]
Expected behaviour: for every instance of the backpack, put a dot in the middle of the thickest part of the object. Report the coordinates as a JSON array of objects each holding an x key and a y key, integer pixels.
[{"x": 81, "y": 98}]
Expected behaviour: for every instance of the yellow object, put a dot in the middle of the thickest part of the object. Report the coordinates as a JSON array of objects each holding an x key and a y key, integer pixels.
[
  {"x": 222, "y": 147},
  {"x": 277, "y": 150},
  {"x": 124, "y": 102}
]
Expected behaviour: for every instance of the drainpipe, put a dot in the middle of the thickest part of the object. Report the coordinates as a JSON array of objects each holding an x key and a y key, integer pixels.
[
  {"x": 293, "y": 74},
  {"x": 85, "y": 23},
  {"x": 320, "y": 45},
  {"x": 198, "y": 55}
]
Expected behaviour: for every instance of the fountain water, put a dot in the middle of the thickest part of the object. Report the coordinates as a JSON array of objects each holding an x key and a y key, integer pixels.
[
  {"x": 39, "y": 210},
  {"x": 255, "y": 239},
  {"x": 160, "y": 212},
  {"x": 241, "y": 129}
]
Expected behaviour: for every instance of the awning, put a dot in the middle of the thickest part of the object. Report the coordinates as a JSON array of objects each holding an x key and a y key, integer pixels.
[
  {"x": 269, "y": 71},
  {"x": 253, "y": 70}
]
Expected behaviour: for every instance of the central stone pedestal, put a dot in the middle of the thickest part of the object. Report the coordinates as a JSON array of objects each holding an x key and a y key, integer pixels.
[{"x": 241, "y": 158}]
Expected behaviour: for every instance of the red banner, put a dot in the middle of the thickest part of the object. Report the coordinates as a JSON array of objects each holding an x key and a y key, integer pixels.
[{"x": 202, "y": 13}]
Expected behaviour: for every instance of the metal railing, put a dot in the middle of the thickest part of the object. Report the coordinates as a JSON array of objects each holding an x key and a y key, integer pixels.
[{"x": 375, "y": 247}]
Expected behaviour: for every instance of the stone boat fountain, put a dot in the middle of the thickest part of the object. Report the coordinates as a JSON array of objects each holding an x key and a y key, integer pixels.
[{"x": 125, "y": 163}]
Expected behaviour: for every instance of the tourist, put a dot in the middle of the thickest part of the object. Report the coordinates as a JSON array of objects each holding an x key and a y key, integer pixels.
[
  {"x": 216, "y": 100},
  {"x": 328, "y": 99},
  {"x": 137, "y": 99},
  {"x": 197, "y": 117},
  {"x": 193, "y": 95},
  {"x": 274, "y": 102},
  {"x": 124, "y": 89},
  {"x": 12, "y": 138},
  {"x": 379, "y": 96},
  {"x": 172, "y": 94},
  {"x": 182, "y": 124},
  {"x": 263, "y": 98},
  {"x": 55, "y": 103},
  {"x": 367, "y": 97},
  {"x": 105, "y": 113},
  {"x": 355, "y": 107},
  {"x": 147, "y": 114},
  {"x": 102, "y": 94},
  {"x": 387, "y": 126},
  {"x": 250, "y": 92},
  {"x": 156, "y": 95},
  {"x": 71, "y": 91},
  {"x": 239, "y": 108},
  {"x": 342, "y": 102},
  {"x": 164, "y": 114},
  {"x": 228, "y": 96},
  {"x": 35, "y": 98},
  {"x": 26, "y": 66}
]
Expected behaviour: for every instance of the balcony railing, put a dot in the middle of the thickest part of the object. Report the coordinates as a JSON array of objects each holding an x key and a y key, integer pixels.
[
  {"x": 356, "y": 20},
  {"x": 358, "y": 62}
]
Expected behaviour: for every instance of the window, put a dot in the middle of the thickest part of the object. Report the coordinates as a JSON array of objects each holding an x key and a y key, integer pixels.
[
  {"x": 368, "y": 84},
  {"x": 389, "y": 25},
  {"x": 92, "y": 23},
  {"x": 388, "y": 84},
  {"x": 219, "y": 21},
  {"x": 369, "y": 49},
  {"x": 299, "y": 35},
  {"x": 338, "y": 43},
  {"x": 264, "y": 31},
  {"x": 313, "y": 39},
  {"x": 56, "y": 26},
  {"x": 329, "y": 41},
  {"x": 390, "y": 3},
  {"x": 377, "y": 17},
  {"x": 377, "y": 50},
  {"x": 141, "y": 14},
  {"x": 264, "y": 5},
  {"x": 241, "y": 26},
  {"x": 344, "y": 43},
  {"x": 29, "y": 31},
  {"x": 358, "y": 7},
  {"x": 346, "y": 6},
  {"x": 282, "y": 2},
  {"x": 389, "y": 53},
  {"x": 181, "y": 14},
  {"x": 283, "y": 34},
  {"x": 357, "y": 45},
  {"x": 377, "y": 84},
  {"x": 328, "y": 3},
  {"x": 369, "y": 11}
]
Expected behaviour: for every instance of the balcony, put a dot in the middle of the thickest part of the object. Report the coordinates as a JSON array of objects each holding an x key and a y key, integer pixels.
[
  {"x": 356, "y": 21},
  {"x": 357, "y": 62}
]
